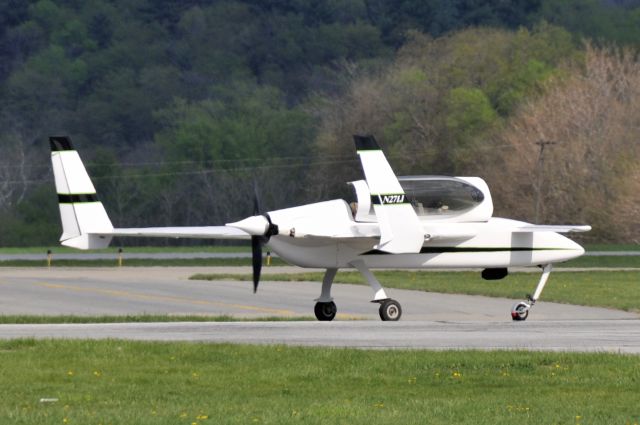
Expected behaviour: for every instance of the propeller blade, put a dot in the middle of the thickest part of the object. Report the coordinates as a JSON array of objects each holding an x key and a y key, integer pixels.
[
  {"x": 256, "y": 259},
  {"x": 257, "y": 210}
]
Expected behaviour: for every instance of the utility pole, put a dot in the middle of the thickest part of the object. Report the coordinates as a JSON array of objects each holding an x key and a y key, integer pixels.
[{"x": 542, "y": 144}]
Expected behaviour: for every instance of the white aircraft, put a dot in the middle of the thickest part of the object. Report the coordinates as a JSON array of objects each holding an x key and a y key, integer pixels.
[{"x": 407, "y": 222}]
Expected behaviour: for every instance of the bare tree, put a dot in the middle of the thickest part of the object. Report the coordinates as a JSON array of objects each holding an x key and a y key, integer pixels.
[{"x": 591, "y": 174}]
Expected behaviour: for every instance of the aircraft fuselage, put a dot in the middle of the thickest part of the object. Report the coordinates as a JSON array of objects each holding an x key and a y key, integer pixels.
[{"x": 496, "y": 243}]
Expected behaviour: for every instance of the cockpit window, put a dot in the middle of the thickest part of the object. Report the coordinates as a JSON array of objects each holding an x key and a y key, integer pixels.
[{"x": 432, "y": 196}]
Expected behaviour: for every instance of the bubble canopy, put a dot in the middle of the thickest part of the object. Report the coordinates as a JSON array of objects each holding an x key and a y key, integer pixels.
[{"x": 441, "y": 195}]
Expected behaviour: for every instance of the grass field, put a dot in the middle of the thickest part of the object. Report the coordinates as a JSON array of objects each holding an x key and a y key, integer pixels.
[
  {"x": 234, "y": 248},
  {"x": 119, "y": 382},
  {"x": 590, "y": 262},
  {"x": 114, "y": 249},
  {"x": 139, "y": 262},
  {"x": 614, "y": 289}
]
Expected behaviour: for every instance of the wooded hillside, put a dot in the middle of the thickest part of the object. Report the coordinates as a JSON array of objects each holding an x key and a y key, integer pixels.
[{"x": 182, "y": 107}]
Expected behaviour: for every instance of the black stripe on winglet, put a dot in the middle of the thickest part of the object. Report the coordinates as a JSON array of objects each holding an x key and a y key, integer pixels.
[
  {"x": 60, "y": 143},
  {"x": 366, "y": 143},
  {"x": 76, "y": 199}
]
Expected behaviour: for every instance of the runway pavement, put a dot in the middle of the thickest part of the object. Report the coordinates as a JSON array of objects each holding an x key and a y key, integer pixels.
[
  {"x": 430, "y": 320},
  {"x": 617, "y": 336}
]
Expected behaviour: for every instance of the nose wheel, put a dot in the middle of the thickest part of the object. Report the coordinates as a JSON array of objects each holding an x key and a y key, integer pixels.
[
  {"x": 390, "y": 310},
  {"x": 520, "y": 311},
  {"x": 325, "y": 311}
]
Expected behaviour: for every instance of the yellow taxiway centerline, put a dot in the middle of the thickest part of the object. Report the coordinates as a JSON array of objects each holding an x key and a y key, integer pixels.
[{"x": 134, "y": 295}]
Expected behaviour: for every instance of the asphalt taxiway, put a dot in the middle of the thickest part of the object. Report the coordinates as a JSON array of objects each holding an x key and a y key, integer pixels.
[{"x": 434, "y": 321}]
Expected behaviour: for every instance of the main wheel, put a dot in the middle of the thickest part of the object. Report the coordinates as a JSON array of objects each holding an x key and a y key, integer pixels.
[
  {"x": 325, "y": 312},
  {"x": 390, "y": 310},
  {"x": 520, "y": 311}
]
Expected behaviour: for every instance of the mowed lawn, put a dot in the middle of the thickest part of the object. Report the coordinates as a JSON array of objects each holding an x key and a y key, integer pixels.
[
  {"x": 118, "y": 382},
  {"x": 614, "y": 289}
]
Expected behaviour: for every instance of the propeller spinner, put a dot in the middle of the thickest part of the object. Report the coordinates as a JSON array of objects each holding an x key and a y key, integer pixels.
[{"x": 261, "y": 229}]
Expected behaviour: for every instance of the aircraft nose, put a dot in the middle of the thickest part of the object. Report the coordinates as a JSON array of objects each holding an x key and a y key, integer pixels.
[{"x": 576, "y": 249}]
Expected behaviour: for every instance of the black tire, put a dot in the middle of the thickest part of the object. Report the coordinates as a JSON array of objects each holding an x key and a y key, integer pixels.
[
  {"x": 390, "y": 310},
  {"x": 325, "y": 312},
  {"x": 520, "y": 312}
]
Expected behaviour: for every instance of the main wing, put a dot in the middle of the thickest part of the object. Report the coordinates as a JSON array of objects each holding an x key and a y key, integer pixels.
[
  {"x": 197, "y": 232},
  {"x": 570, "y": 228}
]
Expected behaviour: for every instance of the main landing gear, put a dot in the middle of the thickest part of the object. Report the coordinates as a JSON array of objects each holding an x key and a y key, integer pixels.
[
  {"x": 325, "y": 312},
  {"x": 325, "y": 309},
  {"x": 520, "y": 310}
]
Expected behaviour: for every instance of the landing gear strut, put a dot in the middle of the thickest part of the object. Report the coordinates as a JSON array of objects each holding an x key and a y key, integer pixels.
[
  {"x": 390, "y": 310},
  {"x": 520, "y": 310},
  {"x": 325, "y": 309}
]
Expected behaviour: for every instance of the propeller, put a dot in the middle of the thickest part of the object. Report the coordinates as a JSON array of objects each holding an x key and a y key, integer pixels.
[{"x": 257, "y": 240}]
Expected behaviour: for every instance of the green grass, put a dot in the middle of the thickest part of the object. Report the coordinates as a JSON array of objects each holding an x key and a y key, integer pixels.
[
  {"x": 234, "y": 248},
  {"x": 614, "y": 289},
  {"x": 140, "y": 262},
  {"x": 604, "y": 261},
  {"x": 145, "y": 318},
  {"x": 612, "y": 247},
  {"x": 120, "y": 382},
  {"x": 146, "y": 249}
]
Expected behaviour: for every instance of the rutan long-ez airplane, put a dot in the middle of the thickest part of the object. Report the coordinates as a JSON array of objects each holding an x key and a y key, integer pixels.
[{"x": 398, "y": 222}]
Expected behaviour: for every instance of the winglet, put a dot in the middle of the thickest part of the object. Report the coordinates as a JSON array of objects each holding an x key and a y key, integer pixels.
[
  {"x": 400, "y": 228},
  {"x": 366, "y": 143},
  {"x": 60, "y": 143}
]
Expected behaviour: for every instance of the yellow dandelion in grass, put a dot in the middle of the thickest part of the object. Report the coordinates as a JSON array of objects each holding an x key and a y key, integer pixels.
[
  {"x": 456, "y": 374},
  {"x": 379, "y": 405},
  {"x": 65, "y": 420},
  {"x": 97, "y": 373},
  {"x": 578, "y": 417},
  {"x": 70, "y": 373},
  {"x": 202, "y": 417}
]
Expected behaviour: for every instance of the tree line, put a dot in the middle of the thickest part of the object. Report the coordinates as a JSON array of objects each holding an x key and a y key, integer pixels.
[{"x": 182, "y": 108}]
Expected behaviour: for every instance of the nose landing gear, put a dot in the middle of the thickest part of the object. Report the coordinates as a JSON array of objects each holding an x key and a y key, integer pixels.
[{"x": 520, "y": 310}]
